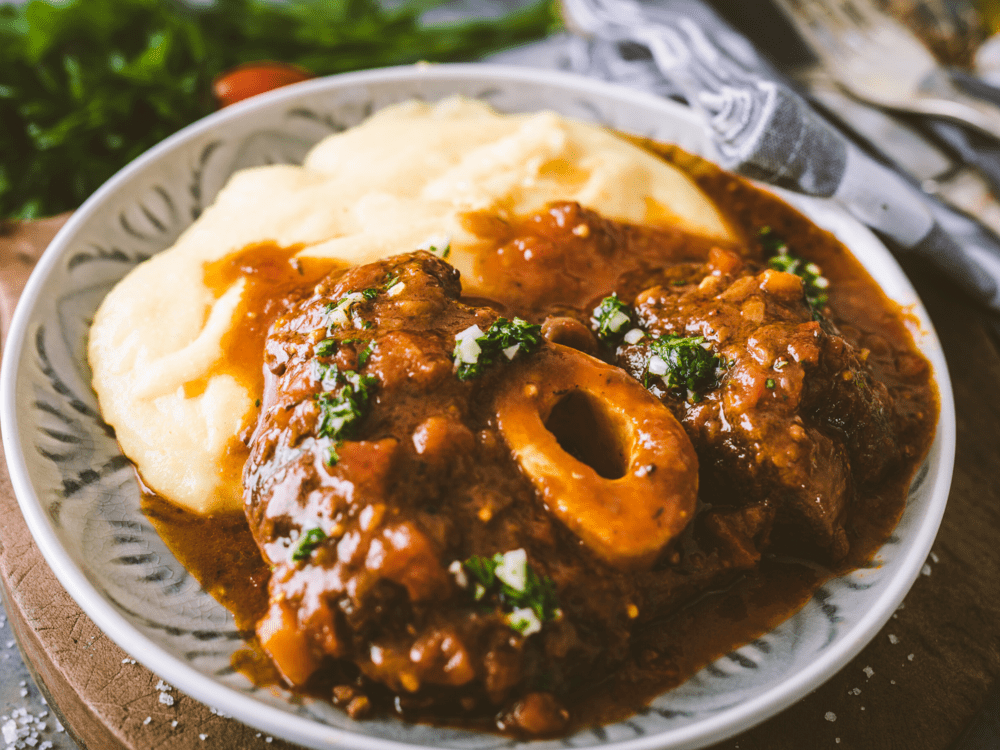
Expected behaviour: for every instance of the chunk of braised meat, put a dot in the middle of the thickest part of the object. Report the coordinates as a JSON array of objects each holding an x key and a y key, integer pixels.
[
  {"x": 797, "y": 421},
  {"x": 555, "y": 261},
  {"x": 366, "y": 528}
]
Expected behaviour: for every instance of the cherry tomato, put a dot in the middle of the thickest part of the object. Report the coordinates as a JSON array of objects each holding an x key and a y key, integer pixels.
[{"x": 254, "y": 78}]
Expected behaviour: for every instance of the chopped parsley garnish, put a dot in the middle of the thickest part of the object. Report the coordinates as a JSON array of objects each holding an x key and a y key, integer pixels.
[
  {"x": 370, "y": 294},
  {"x": 341, "y": 313},
  {"x": 771, "y": 241},
  {"x": 326, "y": 348},
  {"x": 769, "y": 382},
  {"x": 527, "y": 599},
  {"x": 308, "y": 542},
  {"x": 475, "y": 350},
  {"x": 341, "y": 413},
  {"x": 683, "y": 363},
  {"x": 814, "y": 282},
  {"x": 439, "y": 244},
  {"x": 332, "y": 457},
  {"x": 365, "y": 354},
  {"x": 611, "y": 319},
  {"x": 327, "y": 375}
]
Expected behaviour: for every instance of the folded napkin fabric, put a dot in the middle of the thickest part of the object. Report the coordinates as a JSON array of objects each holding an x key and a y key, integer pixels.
[{"x": 762, "y": 128}]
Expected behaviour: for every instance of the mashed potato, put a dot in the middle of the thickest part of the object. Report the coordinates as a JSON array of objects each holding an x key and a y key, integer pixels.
[{"x": 399, "y": 181}]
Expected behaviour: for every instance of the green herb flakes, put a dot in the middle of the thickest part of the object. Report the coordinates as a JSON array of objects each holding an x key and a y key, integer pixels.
[
  {"x": 326, "y": 348},
  {"x": 611, "y": 319},
  {"x": 527, "y": 600},
  {"x": 439, "y": 245},
  {"x": 475, "y": 350},
  {"x": 365, "y": 354},
  {"x": 814, "y": 282},
  {"x": 341, "y": 413},
  {"x": 342, "y": 313},
  {"x": 307, "y": 543},
  {"x": 683, "y": 363},
  {"x": 332, "y": 458}
]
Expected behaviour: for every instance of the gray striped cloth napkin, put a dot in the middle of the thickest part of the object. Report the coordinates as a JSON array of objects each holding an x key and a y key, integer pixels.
[{"x": 761, "y": 128}]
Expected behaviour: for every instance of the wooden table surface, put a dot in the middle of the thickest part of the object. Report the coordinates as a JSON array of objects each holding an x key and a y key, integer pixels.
[{"x": 918, "y": 685}]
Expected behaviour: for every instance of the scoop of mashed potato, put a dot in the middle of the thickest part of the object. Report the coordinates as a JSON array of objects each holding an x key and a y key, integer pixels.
[{"x": 400, "y": 180}]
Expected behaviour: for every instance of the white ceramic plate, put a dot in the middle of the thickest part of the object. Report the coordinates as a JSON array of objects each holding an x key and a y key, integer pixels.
[{"x": 81, "y": 502}]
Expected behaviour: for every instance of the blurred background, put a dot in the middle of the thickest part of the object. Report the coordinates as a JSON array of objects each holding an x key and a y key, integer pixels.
[{"x": 88, "y": 85}]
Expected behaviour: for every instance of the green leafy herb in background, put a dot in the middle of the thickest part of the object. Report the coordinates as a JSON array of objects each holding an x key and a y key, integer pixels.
[{"x": 88, "y": 85}]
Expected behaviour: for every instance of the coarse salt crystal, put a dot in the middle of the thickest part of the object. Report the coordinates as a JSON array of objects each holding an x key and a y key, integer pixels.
[
  {"x": 935, "y": 558},
  {"x": 202, "y": 737},
  {"x": 926, "y": 570},
  {"x": 147, "y": 720},
  {"x": 9, "y": 732},
  {"x": 830, "y": 716},
  {"x": 868, "y": 671},
  {"x": 893, "y": 639},
  {"x": 909, "y": 657},
  {"x": 166, "y": 700}
]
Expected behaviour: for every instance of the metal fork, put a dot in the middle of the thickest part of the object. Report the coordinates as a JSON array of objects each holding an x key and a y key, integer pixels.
[{"x": 878, "y": 61}]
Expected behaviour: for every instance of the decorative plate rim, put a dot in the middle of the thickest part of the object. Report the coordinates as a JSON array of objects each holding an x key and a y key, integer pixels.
[{"x": 247, "y": 709}]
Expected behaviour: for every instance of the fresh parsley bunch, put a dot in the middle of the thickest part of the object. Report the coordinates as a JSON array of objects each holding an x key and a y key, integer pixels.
[{"x": 88, "y": 85}]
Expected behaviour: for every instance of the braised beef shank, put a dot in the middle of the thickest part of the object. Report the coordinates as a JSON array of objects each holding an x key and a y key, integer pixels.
[
  {"x": 425, "y": 483},
  {"x": 366, "y": 533},
  {"x": 797, "y": 421}
]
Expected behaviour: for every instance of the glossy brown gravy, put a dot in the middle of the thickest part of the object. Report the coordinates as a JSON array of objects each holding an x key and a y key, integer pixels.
[
  {"x": 272, "y": 276},
  {"x": 668, "y": 651}
]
